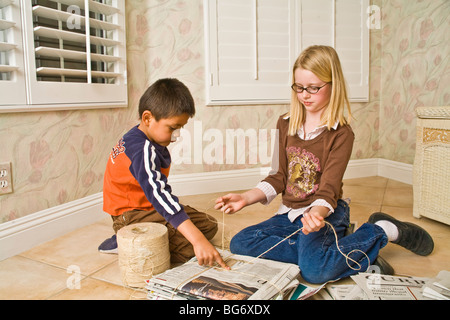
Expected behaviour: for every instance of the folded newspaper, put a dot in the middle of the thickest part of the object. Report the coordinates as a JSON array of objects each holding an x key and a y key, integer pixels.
[
  {"x": 373, "y": 286},
  {"x": 439, "y": 287},
  {"x": 249, "y": 278},
  {"x": 385, "y": 287}
]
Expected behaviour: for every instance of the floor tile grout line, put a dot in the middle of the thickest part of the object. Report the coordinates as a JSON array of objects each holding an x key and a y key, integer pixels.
[
  {"x": 41, "y": 262},
  {"x": 65, "y": 268},
  {"x": 83, "y": 276},
  {"x": 384, "y": 194}
]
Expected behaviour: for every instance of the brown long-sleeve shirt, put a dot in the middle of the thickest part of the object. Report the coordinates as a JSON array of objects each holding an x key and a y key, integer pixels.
[{"x": 311, "y": 169}]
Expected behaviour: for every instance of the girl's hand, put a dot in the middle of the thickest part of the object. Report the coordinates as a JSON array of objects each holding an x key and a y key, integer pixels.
[
  {"x": 230, "y": 203},
  {"x": 313, "y": 220},
  {"x": 233, "y": 202}
]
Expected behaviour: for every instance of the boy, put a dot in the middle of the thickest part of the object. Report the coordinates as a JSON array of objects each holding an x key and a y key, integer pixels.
[{"x": 135, "y": 185}]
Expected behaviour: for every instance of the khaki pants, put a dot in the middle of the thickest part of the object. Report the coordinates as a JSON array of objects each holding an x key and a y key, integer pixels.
[{"x": 180, "y": 248}]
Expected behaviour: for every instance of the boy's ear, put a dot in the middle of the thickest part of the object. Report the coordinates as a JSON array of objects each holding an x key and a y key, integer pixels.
[{"x": 147, "y": 116}]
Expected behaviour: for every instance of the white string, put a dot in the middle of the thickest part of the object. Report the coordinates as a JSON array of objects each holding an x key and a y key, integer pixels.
[
  {"x": 220, "y": 223},
  {"x": 347, "y": 256}
]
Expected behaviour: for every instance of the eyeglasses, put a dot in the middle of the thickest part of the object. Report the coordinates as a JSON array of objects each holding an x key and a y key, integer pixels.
[{"x": 311, "y": 90}]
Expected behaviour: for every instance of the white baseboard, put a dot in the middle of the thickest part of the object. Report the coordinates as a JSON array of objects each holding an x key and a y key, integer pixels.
[
  {"x": 393, "y": 170},
  {"x": 24, "y": 233},
  {"x": 216, "y": 181},
  {"x": 361, "y": 168},
  {"x": 223, "y": 181}
]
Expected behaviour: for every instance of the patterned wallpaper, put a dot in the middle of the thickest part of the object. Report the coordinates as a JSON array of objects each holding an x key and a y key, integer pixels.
[
  {"x": 58, "y": 157},
  {"x": 415, "y": 70}
]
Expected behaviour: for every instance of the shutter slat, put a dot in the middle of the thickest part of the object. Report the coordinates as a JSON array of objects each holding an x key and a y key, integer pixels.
[
  {"x": 59, "y": 34},
  {"x": 5, "y": 46},
  {"x": 49, "y": 13},
  {"x": 71, "y": 54},
  {"x": 59, "y": 53},
  {"x": 94, "y": 6},
  {"x": 45, "y": 71},
  {"x": 73, "y": 36},
  {"x": 8, "y": 68},
  {"x": 5, "y": 3},
  {"x": 98, "y": 7},
  {"x": 5, "y": 24}
]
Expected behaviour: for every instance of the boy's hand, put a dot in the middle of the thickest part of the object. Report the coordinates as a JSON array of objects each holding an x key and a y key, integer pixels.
[
  {"x": 207, "y": 255},
  {"x": 204, "y": 251}
]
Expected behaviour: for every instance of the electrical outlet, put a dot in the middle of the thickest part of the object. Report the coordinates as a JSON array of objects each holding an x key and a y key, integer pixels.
[{"x": 5, "y": 178}]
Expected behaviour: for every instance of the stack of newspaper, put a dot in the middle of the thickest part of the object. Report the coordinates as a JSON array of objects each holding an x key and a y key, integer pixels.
[
  {"x": 373, "y": 286},
  {"x": 249, "y": 278},
  {"x": 438, "y": 288}
]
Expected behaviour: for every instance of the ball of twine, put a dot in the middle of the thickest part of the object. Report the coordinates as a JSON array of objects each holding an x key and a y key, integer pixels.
[{"x": 143, "y": 252}]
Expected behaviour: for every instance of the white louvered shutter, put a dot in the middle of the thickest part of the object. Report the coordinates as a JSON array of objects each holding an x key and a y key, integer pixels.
[
  {"x": 251, "y": 47},
  {"x": 12, "y": 81},
  {"x": 342, "y": 25},
  {"x": 77, "y": 51},
  {"x": 352, "y": 45}
]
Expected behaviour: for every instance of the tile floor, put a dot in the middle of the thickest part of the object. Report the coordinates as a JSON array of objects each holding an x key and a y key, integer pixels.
[{"x": 48, "y": 270}]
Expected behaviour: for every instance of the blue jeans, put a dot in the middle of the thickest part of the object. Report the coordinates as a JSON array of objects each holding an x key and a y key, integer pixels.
[{"x": 316, "y": 254}]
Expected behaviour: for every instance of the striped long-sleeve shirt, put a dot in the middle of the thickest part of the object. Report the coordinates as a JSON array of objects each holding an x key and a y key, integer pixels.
[{"x": 136, "y": 179}]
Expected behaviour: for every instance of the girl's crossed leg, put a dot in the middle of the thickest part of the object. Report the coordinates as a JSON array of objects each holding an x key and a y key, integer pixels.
[{"x": 316, "y": 254}]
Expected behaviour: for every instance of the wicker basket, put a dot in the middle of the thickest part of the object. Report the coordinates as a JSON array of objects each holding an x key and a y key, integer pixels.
[{"x": 431, "y": 180}]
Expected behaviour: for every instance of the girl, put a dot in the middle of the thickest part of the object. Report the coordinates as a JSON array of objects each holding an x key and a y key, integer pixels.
[{"x": 315, "y": 145}]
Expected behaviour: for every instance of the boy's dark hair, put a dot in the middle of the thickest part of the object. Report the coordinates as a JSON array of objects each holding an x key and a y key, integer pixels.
[{"x": 167, "y": 98}]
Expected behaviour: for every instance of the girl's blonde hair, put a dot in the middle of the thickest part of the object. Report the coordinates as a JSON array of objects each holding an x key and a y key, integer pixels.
[{"x": 324, "y": 62}]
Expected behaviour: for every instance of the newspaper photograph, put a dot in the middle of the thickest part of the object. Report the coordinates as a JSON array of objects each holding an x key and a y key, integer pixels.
[{"x": 248, "y": 278}]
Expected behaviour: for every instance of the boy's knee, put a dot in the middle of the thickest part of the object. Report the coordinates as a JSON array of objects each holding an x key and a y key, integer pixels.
[
  {"x": 206, "y": 223},
  {"x": 210, "y": 227}
]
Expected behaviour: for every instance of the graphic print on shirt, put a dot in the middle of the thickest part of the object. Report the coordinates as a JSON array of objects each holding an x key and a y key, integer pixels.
[
  {"x": 118, "y": 149},
  {"x": 303, "y": 167}
]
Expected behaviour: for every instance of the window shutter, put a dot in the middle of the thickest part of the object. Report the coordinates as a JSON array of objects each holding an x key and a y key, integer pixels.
[
  {"x": 252, "y": 46},
  {"x": 79, "y": 46},
  {"x": 317, "y": 26},
  {"x": 12, "y": 81},
  {"x": 340, "y": 24},
  {"x": 250, "y": 50},
  {"x": 352, "y": 45}
]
